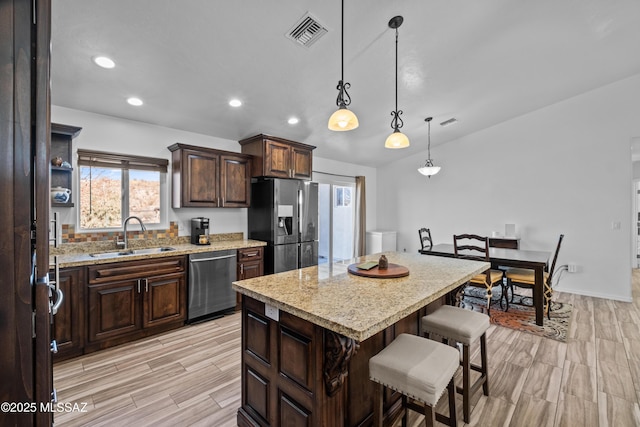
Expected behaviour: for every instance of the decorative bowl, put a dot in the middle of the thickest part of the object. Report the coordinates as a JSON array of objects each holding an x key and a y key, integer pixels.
[{"x": 60, "y": 195}]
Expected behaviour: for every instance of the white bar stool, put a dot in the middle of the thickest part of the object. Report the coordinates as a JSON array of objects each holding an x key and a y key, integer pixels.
[
  {"x": 462, "y": 326},
  {"x": 420, "y": 369}
]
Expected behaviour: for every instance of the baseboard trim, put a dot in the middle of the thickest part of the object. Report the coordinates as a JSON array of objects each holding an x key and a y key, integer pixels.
[{"x": 595, "y": 294}]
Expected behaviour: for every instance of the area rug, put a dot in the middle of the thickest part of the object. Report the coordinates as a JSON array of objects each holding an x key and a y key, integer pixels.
[{"x": 521, "y": 315}]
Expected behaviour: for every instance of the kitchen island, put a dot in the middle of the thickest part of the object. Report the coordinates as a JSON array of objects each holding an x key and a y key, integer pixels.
[{"x": 308, "y": 334}]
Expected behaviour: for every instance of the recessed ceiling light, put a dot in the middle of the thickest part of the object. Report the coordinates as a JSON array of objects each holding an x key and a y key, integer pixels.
[
  {"x": 104, "y": 62},
  {"x": 235, "y": 103},
  {"x": 449, "y": 122},
  {"x": 293, "y": 120},
  {"x": 135, "y": 101}
]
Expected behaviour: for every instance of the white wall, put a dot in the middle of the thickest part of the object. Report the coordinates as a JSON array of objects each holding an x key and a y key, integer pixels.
[
  {"x": 565, "y": 168},
  {"x": 107, "y": 133}
]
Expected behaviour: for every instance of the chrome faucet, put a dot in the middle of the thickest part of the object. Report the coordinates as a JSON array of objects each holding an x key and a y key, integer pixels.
[{"x": 125, "y": 243}]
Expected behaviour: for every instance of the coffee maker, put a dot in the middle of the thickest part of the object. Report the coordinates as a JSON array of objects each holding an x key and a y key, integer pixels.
[{"x": 200, "y": 231}]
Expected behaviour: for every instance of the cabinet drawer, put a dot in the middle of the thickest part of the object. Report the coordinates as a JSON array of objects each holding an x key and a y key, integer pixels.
[
  {"x": 250, "y": 254},
  {"x": 135, "y": 269}
]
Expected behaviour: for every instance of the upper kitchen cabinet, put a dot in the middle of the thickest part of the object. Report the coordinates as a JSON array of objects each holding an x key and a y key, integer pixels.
[
  {"x": 278, "y": 158},
  {"x": 61, "y": 170},
  {"x": 204, "y": 177}
]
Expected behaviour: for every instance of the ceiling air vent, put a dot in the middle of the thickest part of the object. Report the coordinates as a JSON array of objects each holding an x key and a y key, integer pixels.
[{"x": 306, "y": 31}]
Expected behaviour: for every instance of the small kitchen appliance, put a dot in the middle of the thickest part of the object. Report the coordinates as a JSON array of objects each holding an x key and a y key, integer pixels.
[{"x": 200, "y": 231}]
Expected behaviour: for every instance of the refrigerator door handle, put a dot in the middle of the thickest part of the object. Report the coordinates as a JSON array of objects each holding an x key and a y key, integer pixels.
[{"x": 300, "y": 210}]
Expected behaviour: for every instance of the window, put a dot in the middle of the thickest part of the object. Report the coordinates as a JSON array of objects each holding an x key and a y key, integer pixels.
[
  {"x": 115, "y": 186},
  {"x": 343, "y": 196}
]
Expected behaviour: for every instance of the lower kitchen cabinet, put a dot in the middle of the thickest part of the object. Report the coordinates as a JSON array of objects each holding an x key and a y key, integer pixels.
[
  {"x": 68, "y": 323},
  {"x": 250, "y": 264},
  {"x": 134, "y": 299}
]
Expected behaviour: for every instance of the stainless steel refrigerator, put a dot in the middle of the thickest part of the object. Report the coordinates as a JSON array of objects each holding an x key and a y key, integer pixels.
[{"x": 284, "y": 213}]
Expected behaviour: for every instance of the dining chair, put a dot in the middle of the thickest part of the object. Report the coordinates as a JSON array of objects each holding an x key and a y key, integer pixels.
[
  {"x": 525, "y": 278},
  {"x": 472, "y": 246},
  {"x": 425, "y": 239}
]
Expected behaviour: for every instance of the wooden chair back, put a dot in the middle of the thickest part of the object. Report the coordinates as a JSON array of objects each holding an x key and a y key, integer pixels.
[
  {"x": 555, "y": 258},
  {"x": 471, "y": 246},
  {"x": 425, "y": 239}
]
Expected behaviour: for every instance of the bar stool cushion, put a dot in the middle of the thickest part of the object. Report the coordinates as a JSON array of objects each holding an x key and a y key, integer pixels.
[
  {"x": 417, "y": 367},
  {"x": 458, "y": 324}
]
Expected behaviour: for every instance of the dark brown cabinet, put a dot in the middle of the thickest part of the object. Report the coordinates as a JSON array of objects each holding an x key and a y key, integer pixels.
[
  {"x": 130, "y": 300},
  {"x": 68, "y": 323},
  {"x": 278, "y": 158},
  {"x": 250, "y": 265},
  {"x": 204, "y": 177},
  {"x": 61, "y": 139}
]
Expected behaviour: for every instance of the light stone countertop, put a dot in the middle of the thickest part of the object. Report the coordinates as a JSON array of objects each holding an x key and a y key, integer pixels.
[
  {"x": 359, "y": 307},
  {"x": 83, "y": 258}
]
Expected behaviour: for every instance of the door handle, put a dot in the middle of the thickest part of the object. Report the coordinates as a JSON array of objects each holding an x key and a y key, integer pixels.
[
  {"x": 54, "y": 346},
  {"x": 59, "y": 298},
  {"x": 212, "y": 259}
]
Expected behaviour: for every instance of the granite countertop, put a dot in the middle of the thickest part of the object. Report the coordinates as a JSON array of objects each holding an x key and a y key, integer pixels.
[
  {"x": 77, "y": 255},
  {"x": 359, "y": 307}
]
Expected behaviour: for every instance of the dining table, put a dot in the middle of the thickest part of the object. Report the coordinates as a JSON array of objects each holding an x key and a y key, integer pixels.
[{"x": 503, "y": 257}]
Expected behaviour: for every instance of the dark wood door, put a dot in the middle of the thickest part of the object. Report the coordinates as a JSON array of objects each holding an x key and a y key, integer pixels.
[
  {"x": 235, "y": 181},
  {"x": 301, "y": 163},
  {"x": 200, "y": 179},
  {"x": 164, "y": 299},
  {"x": 277, "y": 159},
  {"x": 68, "y": 323},
  {"x": 25, "y": 361},
  {"x": 113, "y": 309}
]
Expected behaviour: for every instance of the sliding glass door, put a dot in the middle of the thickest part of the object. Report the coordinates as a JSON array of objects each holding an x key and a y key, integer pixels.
[{"x": 336, "y": 211}]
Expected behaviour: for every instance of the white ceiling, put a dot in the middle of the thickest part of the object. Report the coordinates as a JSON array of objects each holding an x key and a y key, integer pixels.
[{"x": 482, "y": 62}]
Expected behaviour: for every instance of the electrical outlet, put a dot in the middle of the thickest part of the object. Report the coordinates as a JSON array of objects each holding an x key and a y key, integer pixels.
[
  {"x": 271, "y": 312},
  {"x": 572, "y": 268}
]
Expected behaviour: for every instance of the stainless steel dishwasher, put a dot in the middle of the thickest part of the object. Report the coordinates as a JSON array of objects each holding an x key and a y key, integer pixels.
[{"x": 210, "y": 277}]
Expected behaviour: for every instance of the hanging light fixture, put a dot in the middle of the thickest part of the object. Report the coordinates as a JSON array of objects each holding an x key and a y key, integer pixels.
[
  {"x": 343, "y": 119},
  {"x": 397, "y": 139},
  {"x": 429, "y": 169}
]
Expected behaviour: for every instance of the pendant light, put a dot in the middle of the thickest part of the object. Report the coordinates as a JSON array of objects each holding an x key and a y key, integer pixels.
[
  {"x": 429, "y": 169},
  {"x": 342, "y": 119},
  {"x": 397, "y": 139}
]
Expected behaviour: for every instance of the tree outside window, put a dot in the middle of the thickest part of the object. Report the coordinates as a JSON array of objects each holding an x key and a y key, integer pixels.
[{"x": 113, "y": 187}]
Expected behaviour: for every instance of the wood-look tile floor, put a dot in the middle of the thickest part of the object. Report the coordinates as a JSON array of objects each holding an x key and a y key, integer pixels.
[{"x": 191, "y": 376}]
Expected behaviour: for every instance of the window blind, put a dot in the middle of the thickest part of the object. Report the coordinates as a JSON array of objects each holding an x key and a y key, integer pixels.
[{"x": 120, "y": 161}]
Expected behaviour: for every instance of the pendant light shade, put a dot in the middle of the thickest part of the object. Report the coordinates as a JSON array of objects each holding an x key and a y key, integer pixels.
[
  {"x": 397, "y": 139},
  {"x": 342, "y": 119},
  {"x": 429, "y": 168}
]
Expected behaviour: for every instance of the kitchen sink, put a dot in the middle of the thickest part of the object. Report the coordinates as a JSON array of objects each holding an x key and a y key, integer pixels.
[{"x": 145, "y": 251}]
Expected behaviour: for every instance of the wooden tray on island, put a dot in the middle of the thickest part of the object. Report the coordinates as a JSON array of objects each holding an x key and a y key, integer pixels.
[{"x": 394, "y": 271}]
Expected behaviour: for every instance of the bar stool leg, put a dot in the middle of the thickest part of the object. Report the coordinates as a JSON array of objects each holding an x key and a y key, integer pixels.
[
  {"x": 377, "y": 404},
  {"x": 466, "y": 383},
  {"x": 452, "y": 404},
  {"x": 483, "y": 358},
  {"x": 429, "y": 416}
]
